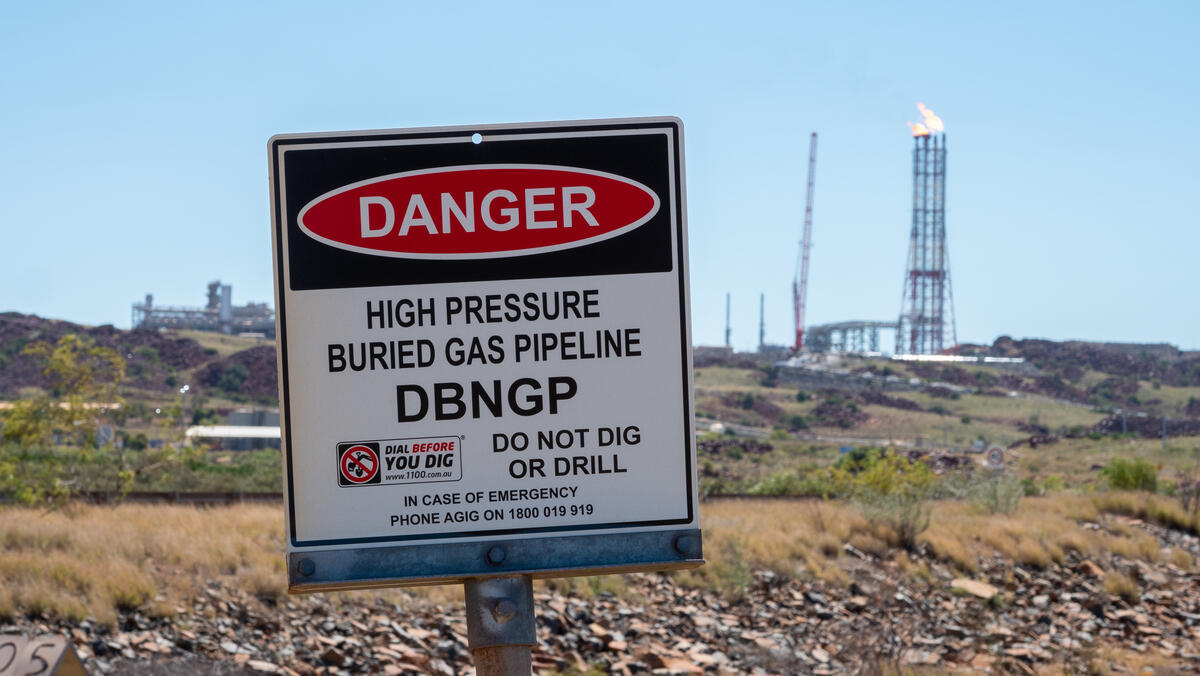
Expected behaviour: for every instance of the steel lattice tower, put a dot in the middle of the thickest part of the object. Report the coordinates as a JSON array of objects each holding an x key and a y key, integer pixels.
[{"x": 926, "y": 323}]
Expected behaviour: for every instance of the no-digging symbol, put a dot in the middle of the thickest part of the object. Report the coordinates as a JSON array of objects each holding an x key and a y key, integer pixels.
[{"x": 358, "y": 464}]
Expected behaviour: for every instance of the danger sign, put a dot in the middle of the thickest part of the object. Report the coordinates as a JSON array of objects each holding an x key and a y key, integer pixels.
[
  {"x": 478, "y": 211},
  {"x": 488, "y": 328}
]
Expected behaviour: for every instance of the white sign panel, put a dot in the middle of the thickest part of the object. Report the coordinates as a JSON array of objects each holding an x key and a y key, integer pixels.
[{"x": 483, "y": 333}]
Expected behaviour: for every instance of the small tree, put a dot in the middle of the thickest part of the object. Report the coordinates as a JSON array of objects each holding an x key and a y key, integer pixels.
[
  {"x": 85, "y": 379},
  {"x": 897, "y": 493}
]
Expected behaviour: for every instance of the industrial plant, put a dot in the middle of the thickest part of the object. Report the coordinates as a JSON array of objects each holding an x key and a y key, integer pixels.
[
  {"x": 925, "y": 325},
  {"x": 219, "y": 314}
]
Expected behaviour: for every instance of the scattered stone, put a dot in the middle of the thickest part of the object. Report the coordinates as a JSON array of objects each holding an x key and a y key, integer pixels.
[
  {"x": 333, "y": 656},
  {"x": 1056, "y": 619},
  {"x": 976, "y": 588}
]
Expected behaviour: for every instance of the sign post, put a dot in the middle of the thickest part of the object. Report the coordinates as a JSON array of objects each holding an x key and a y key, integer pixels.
[{"x": 484, "y": 359}]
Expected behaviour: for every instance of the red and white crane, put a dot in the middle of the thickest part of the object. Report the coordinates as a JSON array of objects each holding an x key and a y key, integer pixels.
[{"x": 800, "y": 283}]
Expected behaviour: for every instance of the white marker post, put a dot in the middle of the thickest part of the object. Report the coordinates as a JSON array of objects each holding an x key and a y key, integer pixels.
[
  {"x": 485, "y": 361},
  {"x": 39, "y": 656}
]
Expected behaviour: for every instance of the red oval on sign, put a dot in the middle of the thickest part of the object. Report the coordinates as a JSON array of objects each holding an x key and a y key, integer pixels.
[{"x": 478, "y": 211}]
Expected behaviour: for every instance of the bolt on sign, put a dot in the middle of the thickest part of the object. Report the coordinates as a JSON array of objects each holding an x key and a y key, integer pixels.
[{"x": 484, "y": 352}]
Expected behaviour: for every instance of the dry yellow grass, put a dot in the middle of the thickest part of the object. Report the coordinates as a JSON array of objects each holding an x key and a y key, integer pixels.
[
  {"x": 805, "y": 538},
  {"x": 1114, "y": 661},
  {"x": 791, "y": 537},
  {"x": 93, "y": 560},
  {"x": 1181, "y": 559},
  {"x": 1118, "y": 584},
  {"x": 1043, "y": 530}
]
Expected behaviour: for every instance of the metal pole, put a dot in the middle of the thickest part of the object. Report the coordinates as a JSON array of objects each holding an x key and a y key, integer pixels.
[
  {"x": 762, "y": 321},
  {"x": 1164, "y": 432},
  {"x": 500, "y": 626},
  {"x": 727, "y": 329}
]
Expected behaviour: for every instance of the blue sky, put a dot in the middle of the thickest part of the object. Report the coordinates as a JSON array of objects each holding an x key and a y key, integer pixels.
[{"x": 133, "y": 138}]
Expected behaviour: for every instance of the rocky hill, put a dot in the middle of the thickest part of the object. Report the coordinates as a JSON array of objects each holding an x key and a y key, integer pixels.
[
  {"x": 157, "y": 362},
  {"x": 1111, "y": 375}
]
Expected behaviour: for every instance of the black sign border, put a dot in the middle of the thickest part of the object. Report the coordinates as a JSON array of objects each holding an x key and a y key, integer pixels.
[{"x": 673, "y": 125}]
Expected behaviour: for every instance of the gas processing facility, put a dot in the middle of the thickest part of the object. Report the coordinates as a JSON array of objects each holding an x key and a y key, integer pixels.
[
  {"x": 218, "y": 314},
  {"x": 925, "y": 325}
]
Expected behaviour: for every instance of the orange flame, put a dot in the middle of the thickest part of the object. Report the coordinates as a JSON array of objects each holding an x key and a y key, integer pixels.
[{"x": 932, "y": 124}]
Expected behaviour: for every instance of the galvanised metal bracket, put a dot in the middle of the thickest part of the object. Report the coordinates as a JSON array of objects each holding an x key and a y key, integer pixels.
[{"x": 458, "y": 562}]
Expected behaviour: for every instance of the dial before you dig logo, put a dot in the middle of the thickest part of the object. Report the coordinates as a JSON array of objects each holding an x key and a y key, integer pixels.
[{"x": 358, "y": 463}]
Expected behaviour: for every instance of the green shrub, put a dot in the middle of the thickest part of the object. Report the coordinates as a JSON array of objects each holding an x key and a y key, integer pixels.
[
  {"x": 897, "y": 494},
  {"x": 231, "y": 379},
  {"x": 1030, "y": 488},
  {"x": 1000, "y": 494},
  {"x": 859, "y": 459},
  {"x": 797, "y": 484},
  {"x": 148, "y": 353},
  {"x": 770, "y": 376},
  {"x": 29, "y": 475},
  {"x": 1137, "y": 474},
  {"x": 719, "y": 486},
  {"x": 1052, "y": 483}
]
